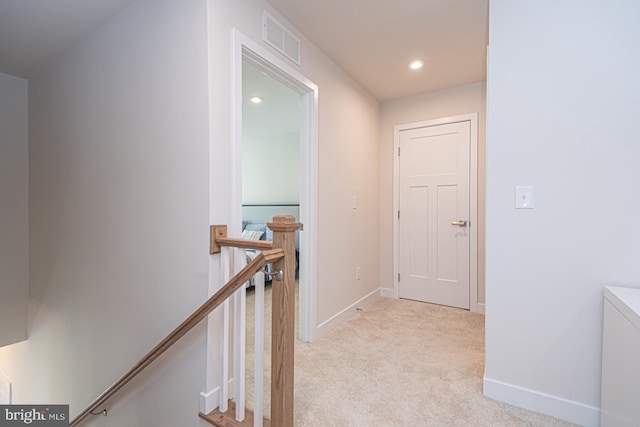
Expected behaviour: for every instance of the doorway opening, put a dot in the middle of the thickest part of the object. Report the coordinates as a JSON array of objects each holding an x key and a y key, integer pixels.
[{"x": 280, "y": 143}]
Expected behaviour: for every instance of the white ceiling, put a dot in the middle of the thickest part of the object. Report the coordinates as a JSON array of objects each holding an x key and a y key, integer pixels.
[
  {"x": 279, "y": 112},
  {"x": 372, "y": 40}
]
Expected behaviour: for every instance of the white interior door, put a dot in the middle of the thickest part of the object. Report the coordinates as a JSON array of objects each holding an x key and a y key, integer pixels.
[{"x": 433, "y": 262}]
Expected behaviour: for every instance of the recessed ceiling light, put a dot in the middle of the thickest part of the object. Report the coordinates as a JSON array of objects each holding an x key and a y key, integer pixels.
[
  {"x": 416, "y": 64},
  {"x": 255, "y": 99}
]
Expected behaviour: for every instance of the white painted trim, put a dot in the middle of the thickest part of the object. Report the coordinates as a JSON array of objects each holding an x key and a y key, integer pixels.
[
  {"x": 481, "y": 308},
  {"x": 387, "y": 293},
  {"x": 244, "y": 47},
  {"x": 210, "y": 400},
  {"x": 224, "y": 337},
  {"x": 472, "y": 118},
  {"x": 239, "y": 344},
  {"x": 558, "y": 407},
  {"x": 473, "y": 213},
  {"x": 308, "y": 316},
  {"x": 325, "y": 327},
  {"x": 258, "y": 349}
]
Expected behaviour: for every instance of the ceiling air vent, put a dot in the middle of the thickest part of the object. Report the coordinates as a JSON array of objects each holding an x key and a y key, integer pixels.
[{"x": 275, "y": 34}]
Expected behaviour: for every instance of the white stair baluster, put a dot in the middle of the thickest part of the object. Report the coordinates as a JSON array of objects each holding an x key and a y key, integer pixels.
[
  {"x": 258, "y": 380},
  {"x": 224, "y": 374},
  {"x": 240, "y": 329}
]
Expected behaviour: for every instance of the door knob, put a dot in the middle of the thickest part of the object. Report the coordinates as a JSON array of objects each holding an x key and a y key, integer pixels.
[{"x": 460, "y": 223}]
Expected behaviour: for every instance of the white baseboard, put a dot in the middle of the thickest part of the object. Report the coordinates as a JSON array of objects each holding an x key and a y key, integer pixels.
[
  {"x": 481, "y": 306},
  {"x": 386, "y": 292},
  {"x": 345, "y": 314},
  {"x": 209, "y": 400},
  {"x": 564, "y": 409}
]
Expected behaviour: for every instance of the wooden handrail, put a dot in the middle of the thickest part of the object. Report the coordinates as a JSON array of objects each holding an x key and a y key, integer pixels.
[
  {"x": 219, "y": 239},
  {"x": 283, "y": 302},
  {"x": 260, "y": 245},
  {"x": 263, "y": 258}
]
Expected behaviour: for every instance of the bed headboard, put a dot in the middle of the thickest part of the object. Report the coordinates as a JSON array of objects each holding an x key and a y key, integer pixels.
[{"x": 265, "y": 213}]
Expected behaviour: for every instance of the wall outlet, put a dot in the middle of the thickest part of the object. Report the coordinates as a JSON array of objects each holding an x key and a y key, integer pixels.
[{"x": 358, "y": 273}]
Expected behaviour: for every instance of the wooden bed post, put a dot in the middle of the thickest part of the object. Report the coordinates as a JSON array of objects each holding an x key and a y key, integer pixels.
[{"x": 283, "y": 321}]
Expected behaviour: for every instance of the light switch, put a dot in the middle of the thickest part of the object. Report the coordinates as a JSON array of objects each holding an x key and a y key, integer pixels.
[
  {"x": 354, "y": 202},
  {"x": 524, "y": 197}
]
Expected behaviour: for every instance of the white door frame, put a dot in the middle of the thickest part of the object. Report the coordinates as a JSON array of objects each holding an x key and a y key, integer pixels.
[
  {"x": 245, "y": 48},
  {"x": 473, "y": 200}
]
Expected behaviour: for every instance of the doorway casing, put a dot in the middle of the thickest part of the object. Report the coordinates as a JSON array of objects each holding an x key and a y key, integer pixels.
[
  {"x": 247, "y": 49},
  {"x": 473, "y": 200}
]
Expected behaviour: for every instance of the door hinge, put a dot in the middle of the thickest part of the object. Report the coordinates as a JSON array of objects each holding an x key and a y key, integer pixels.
[
  {"x": 398, "y": 214},
  {"x": 398, "y": 277},
  {"x": 398, "y": 151}
]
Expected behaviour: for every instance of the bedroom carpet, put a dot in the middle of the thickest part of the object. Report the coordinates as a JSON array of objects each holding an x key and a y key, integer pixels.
[{"x": 397, "y": 363}]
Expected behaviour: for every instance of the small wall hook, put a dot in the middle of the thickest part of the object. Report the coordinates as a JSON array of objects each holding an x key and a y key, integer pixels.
[{"x": 103, "y": 412}]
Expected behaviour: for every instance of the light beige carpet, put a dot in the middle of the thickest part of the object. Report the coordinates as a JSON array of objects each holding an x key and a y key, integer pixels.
[{"x": 397, "y": 363}]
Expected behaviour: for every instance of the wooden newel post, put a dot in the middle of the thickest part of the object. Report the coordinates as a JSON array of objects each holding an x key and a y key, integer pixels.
[{"x": 283, "y": 321}]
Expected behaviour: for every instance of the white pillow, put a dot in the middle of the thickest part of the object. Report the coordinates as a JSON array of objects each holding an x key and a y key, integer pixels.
[{"x": 252, "y": 235}]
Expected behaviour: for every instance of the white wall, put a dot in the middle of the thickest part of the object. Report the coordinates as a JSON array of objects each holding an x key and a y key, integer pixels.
[
  {"x": 434, "y": 105},
  {"x": 118, "y": 217},
  {"x": 348, "y": 166},
  {"x": 563, "y": 92},
  {"x": 347, "y": 158},
  {"x": 14, "y": 227},
  {"x": 270, "y": 170},
  {"x": 118, "y": 203}
]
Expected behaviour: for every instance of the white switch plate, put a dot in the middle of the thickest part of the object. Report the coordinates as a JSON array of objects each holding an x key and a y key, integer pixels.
[
  {"x": 354, "y": 202},
  {"x": 524, "y": 197},
  {"x": 5, "y": 390}
]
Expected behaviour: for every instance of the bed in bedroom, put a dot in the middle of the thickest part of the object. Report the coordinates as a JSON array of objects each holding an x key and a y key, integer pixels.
[{"x": 254, "y": 225}]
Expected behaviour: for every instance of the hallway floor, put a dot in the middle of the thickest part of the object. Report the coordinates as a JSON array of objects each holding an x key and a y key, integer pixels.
[{"x": 397, "y": 363}]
